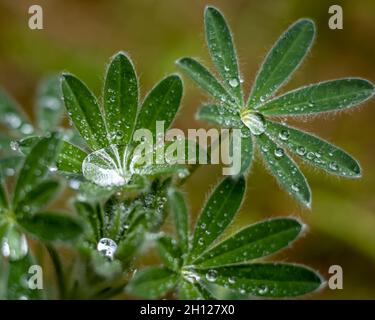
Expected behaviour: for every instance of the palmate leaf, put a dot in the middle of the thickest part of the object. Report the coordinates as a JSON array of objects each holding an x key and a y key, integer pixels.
[
  {"x": 252, "y": 242},
  {"x": 205, "y": 79},
  {"x": 179, "y": 212},
  {"x": 152, "y": 282},
  {"x": 161, "y": 104},
  {"x": 221, "y": 47},
  {"x": 315, "y": 151},
  {"x": 84, "y": 111},
  {"x": 120, "y": 99},
  {"x": 282, "y": 60},
  {"x": 285, "y": 170},
  {"x": 49, "y": 103},
  {"x": 52, "y": 226},
  {"x": 264, "y": 279},
  {"x": 36, "y": 166},
  {"x": 217, "y": 214},
  {"x": 321, "y": 97}
]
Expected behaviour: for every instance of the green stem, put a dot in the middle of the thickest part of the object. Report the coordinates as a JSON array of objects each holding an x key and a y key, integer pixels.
[{"x": 58, "y": 269}]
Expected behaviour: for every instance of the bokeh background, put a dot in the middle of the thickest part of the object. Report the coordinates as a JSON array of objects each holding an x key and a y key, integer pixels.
[{"x": 80, "y": 35}]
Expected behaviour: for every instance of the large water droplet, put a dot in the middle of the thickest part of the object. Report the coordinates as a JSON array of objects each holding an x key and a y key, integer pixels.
[
  {"x": 254, "y": 121},
  {"x": 106, "y": 168},
  {"x": 190, "y": 275},
  {"x": 107, "y": 246},
  {"x": 14, "y": 145},
  {"x": 301, "y": 150},
  {"x": 333, "y": 166}
]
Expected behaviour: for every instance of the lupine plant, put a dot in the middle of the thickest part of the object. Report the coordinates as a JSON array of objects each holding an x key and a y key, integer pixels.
[
  {"x": 119, "y": 207},
  {"x": 255, "y": 116}
]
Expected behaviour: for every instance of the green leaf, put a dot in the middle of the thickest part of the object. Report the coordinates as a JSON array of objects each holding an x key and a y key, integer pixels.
[
  {"x": 93, "y": 214},
  {"x": 217, "y": 214},
  {"x": 246, "y": 152},
  {"x": 38, "y": 197},
  {"x": 84, "y": 111},
  {"x": 12, "y": 115},
  {"x": 3, "y": 195},
  {"x": 179, "y": 212},
  {"x": 219, "y": 115},
  {"x": 161, "y": 104},
  {"x": 314, "y": 150},
  {"x": 321, "y": 97},
  {"x": 193, "y": 291},
  {"x": 13, "y": 243},
  {"x": 205, "y": 79},
  {"x": 120, "y": 99},
  {"x": 130, "y": 244},
  {"x": 50, "y": 226},
  {"x": 36, "y": 166},
  {"x": 285, "y": 170},
  {"x": 152, "y": 282},
  {"x": 282, "y": 60},
  {"x": 49, "y": 103},
  {"x": 70, "y": 158},
  {"x": 265, "y": 280},
  {"x": 252, "y": 242},
  {"x": 169, "y": 252},
  {"x": 220, "y": 45},
  {"x": 17, "y": 280},
  {"x": 26, "y": 144}
]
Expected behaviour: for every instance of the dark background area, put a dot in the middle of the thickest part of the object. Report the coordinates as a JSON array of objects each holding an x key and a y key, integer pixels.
[{"x": 80, "y": 35}]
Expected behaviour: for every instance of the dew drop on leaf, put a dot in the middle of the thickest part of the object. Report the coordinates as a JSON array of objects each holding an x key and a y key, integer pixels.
[
  {"x": 284, "y": 135},
  {"x": 233, "y": 82},
  {"x": 254, "y": 121},
  {"x": 301, "y": 150},
  {"x": 211, "y": 275},
  {"x": 279, "y": 152},
  {"x": 333, "y": 166},
  {"x": 105, "y": 168},
  {"x": 14, "y": 145},
  {"x": 107, "y": 246}
]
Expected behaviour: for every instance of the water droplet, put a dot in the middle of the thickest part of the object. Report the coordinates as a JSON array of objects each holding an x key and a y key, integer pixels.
[
  {"x": 232, "y": 280},
  {"x": 279, "y": 152},
  {"x": 233, "y": 82},
  {"x": 265, "y": 148},
  {"x": 254, "y": 121},
  {"x": 190, "y": 275},
  {"x": 105, "y": 167},
  {"x": 263, "y": 290},
  {"x": 14, "y": 145},
  {"x": 27, "y": 128},
  {"x": 262, "y": 98},
  {"x": 295, "y": 187},
  {"x": 13, "y": 120},
  {"x": 333, "y": 166},
  {"x": 284, "y": 135},
  {"x": 310, "y": 155},
  {"x": 74, "y": 184},
  {"x": 211, "y": 275},
  {"x": 107, "y": 246},
  {"x": 301, "y": 150}
]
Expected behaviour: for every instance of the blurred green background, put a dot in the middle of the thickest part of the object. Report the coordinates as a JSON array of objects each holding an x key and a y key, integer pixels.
[{"x": 80, "y": 35}]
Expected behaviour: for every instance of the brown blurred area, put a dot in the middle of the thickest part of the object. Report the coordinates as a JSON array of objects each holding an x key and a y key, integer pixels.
[{"x": 80, "y": 35}]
